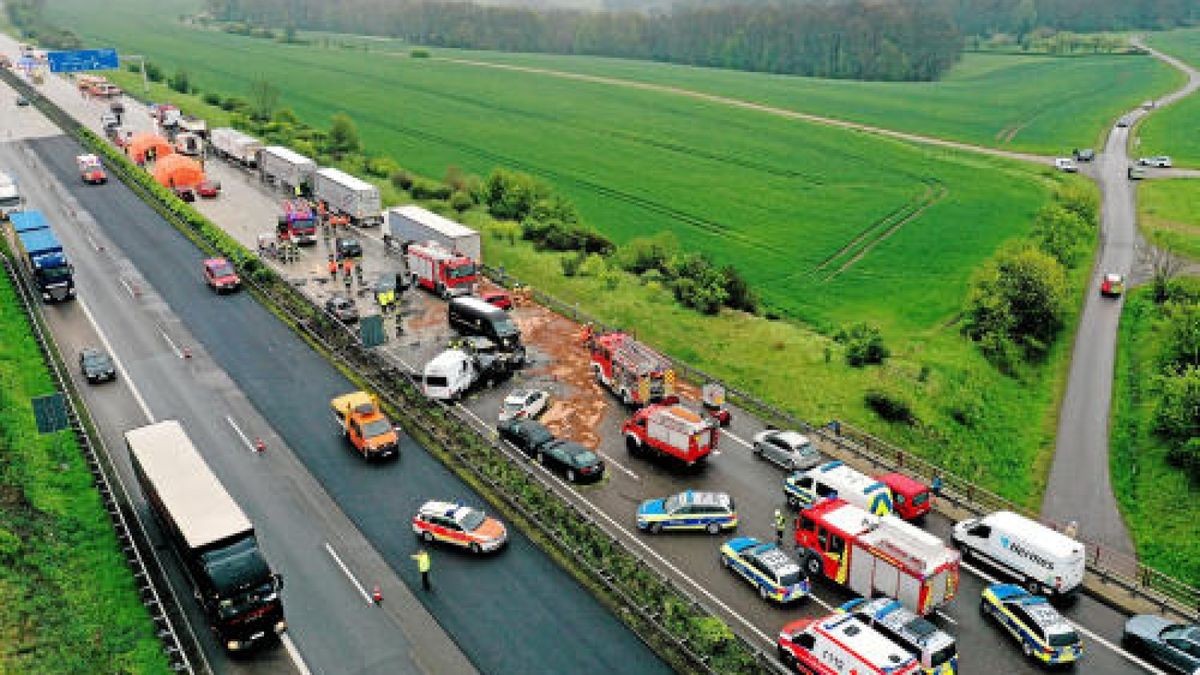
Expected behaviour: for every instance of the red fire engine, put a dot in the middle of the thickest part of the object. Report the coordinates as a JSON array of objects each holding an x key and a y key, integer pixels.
[
  {"x": 634, "y": 372},
  {"x": 298, "y": 222},
  {"x": 442, "y": 271},
  {"x": 671, "y": 430},
  {"x": 875, "y": 556}
]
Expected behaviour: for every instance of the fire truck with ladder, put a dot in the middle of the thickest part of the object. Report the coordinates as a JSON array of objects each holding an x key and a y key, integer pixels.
[
  {"x": 634, "y": 372},
  {"x": 875, "y": 556},
  {"x": 298, "y": 222},
  {"x": 438, "y": 269},
  {"x": 671, "y": 430}
]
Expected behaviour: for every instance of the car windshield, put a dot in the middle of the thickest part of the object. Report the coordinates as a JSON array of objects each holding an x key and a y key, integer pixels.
[
  {"x": 436, "y": 381},
  {"x": 222, "y": 270},
  {"x": 1064, "y": 639},
  {"x": 513, "y": 406},
  {"x": 941, "y": 656},
  {"x": 672, "y": 503},
  {"x": 585, "y": 458},
  {"x": 56, "y": 273},
  {"x": 462, "y": 271},
  {"x": 920, "y": 498},
  {"x": 96, "y": 360},
  {"x": 790, "y": 578},
  {"x": 471, "y": 520},
  {"x": 375, "y": 428}
]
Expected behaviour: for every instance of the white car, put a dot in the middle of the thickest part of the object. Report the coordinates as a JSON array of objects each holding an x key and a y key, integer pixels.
[
  {"x": 789, "y": 449},
  {"x": 1160, "y": 161},
  {"x": 523, "y": 404},
  {"x": 1066, "y": 164}
]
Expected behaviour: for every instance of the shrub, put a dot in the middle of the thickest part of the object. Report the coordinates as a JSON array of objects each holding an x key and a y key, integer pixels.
[
  {"x": 571, "y": 263},
  {"x": 179, "y": 82},
  {"x": 427, "y": 189},
  {"x": 1177, "y": 415},
  {"x": 461, "y": 201},
  {"x": 704, "y": 291},
  {"x": 642, "y": 254},
  {"x": 594, "y": 265},
  {"x": 891, "y": 407},
  {"x": 741, "y": 296},
  {"x": 212, "y": 98},
  {"x": 1062, "y": 233},
  {"x": 343, "y": 136},
  {"x": 382, "y": 167},
  {"x": 864, "y": 344},
  {"x": 153, "y": 72},
  {"x": 419, "y": 53},
  {"x": 1186, "y": 455},
  {"x": 1181, "y": 337},
  {"x": 401, "y": 179},
  {"x": 1020, "y": 296}
]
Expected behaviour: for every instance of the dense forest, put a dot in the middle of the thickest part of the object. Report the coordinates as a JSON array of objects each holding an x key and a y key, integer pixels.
[{"x": 853, "y": 39}]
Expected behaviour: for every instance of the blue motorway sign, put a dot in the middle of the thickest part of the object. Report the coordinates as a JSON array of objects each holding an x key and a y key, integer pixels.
[{"x": 83, "y": 59}]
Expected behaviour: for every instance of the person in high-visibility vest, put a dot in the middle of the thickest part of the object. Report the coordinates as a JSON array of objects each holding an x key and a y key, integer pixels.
[
  {"x": 333, "y": 267},
  {"x": 422, "y": 558},
  {"x": 780, "y": 524}
]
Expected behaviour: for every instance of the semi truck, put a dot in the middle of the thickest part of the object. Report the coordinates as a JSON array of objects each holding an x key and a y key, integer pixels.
[
  {"x": 875, "y": 556},
  {"x": 234, "y": 584},
  {"x": 672, "y": 431},
  {"x": 346, "y": 195},
  {"x": 10, "y": 196},
  {"x": 43, "y": 257},
  {"x": 415, "y": 224},
  {"x": 634, "y": 372},
  {"x": 286, "y": 168},
  {"x": 364, "y": 425},
  {"x": 235, "y": 146}
]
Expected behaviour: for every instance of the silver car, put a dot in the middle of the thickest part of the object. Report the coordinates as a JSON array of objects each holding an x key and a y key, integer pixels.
[{"x": 789, "y": 449}]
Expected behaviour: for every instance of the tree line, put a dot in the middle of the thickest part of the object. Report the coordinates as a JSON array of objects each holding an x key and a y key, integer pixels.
[
  {"x": 856, "y": 39},
  {"x": 1020, "y": 17}
]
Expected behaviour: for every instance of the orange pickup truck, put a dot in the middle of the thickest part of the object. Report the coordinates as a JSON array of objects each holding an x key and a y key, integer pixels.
[{"x": 365, "y": 426}]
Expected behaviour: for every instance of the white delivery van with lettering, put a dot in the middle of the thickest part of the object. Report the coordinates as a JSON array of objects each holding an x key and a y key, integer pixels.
[{"x": 1045, "y": 561}]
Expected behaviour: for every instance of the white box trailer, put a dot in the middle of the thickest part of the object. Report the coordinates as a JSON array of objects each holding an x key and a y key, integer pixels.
[
  {"x": 285, "y": 167},
  {"x": 413, "y": 223},
  {"x": 346, "y": 195},
  {"x": 235, "y": 146}
]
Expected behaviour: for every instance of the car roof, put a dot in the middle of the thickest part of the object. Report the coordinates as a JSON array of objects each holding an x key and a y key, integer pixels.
[
  {"x": 772, "y": 556},
  {"x": 792, "y": 438},
  {"x": 704, "y": 498},
  {"x": 214, "y": 262},
  {"x": 92, "y": 351},
  {"x": 446, "y": 509}
]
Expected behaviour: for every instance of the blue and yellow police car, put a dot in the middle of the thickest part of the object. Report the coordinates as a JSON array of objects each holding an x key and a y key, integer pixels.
[
  {"x": 767, "y": 567},
  {"x": 690, "y": 510},
  {"x": 1044, "y": 635}
]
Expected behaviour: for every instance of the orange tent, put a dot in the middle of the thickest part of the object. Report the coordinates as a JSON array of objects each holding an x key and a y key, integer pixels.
[
  {"x": 178, "y": 171},
  {"x": 140, "y": 143}
]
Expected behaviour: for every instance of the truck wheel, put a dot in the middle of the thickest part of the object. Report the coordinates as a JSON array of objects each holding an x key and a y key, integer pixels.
[
  {"x": 655, "y": 528},
  {"x": 1034, "y": 587},
  {"x": 441, "y": 291},
  {"x": 632, "y": 445},
  {"x": 812, "y": 565},
  {"x": 475, "y": 548},
  {"x": 793, "y": 502}
]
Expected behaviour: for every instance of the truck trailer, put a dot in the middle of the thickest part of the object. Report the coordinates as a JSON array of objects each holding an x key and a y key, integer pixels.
[
  {"x": 284, "y": 167},
  {"x": 235, "y": 586},
  {"x": 415, "y": 224},
  {"x": 346, "y": 195},
  {"x": 43, "y": 257},
  {"x": 234, "y": 146}
]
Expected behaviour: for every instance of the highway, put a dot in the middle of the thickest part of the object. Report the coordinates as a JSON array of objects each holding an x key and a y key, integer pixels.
[{"x": 248, "y": 371}]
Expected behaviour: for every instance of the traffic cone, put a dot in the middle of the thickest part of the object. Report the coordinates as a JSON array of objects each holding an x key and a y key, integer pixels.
[
  {"x": 187, "y": 352},
  {"x": 259, "y": 446},
  {"x": 377, "y": 595}
]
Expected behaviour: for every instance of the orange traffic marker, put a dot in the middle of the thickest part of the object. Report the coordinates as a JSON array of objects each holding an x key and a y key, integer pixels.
[
  {"x": 377, "y": 595},
  {"x": 259, "y": 446}
]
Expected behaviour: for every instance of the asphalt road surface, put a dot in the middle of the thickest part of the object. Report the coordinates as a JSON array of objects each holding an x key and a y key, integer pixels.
[{"x": 1079, "y": 488}]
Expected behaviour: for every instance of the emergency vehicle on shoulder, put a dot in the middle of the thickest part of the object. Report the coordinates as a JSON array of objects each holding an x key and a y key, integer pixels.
[
  {"x": 835, "y": 480},
  {"x": 936, "y": 650},
  {"x": 459, "y": 525},
  {"x": 672, "y": 431},
  {"x": 767, "y": 567},
  {"x": 840, "y": 644},
  {"x": 637, "y": 374},
  {"x": 875, "y": 556},
  {"x": 690, "y": 510},
  {"x": 440, "y": 270},
  {"x": 1044, "y": 635}
]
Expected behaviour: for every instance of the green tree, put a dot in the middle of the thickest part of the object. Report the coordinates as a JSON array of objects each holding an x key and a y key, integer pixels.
[
  {"x": 864, "y": 344},
  {"x": 343, "y": 136},
  {"x": 1177, "y": 415},
  {"x": 1020, "y": 297},
  {"x": 1181, "y": 337},
  {"x": 264, "y": 98},
  {"x": 179, "y": 82}
]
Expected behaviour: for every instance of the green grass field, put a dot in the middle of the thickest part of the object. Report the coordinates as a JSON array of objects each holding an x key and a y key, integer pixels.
[
  {"x": 1169, "y": 214},
  {"x": 1157, "y": 500},
  {"x": 1172, "y": 130},
  {"x": 67, "y": 599}
]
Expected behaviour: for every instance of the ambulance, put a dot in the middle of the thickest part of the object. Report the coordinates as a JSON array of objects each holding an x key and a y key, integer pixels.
[
  {"x": 835, "y": 480},
  {"x": 841, "y": 644}
]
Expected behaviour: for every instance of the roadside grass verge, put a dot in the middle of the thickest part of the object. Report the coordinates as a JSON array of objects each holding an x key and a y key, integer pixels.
[
  {"x": 1172, "y": 130},
  {"x": 1169, "y": 214},
  {"x": 1157, "y": 499},
  {"x": 67, "y": 599}
]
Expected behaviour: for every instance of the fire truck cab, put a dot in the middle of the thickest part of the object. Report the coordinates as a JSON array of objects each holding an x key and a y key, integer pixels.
[
  {"x": 877, "y": 556},
  {"x": 440, "y": 270},
  {"x": 634, "y": 372},
  {"x": 298, "y": 222}
]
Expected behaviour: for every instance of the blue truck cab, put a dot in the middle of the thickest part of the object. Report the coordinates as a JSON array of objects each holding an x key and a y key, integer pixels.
[{"x": 43, "y": 256}]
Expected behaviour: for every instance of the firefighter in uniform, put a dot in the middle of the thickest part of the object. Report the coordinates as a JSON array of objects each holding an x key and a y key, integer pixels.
[{"x": 333, "y": 268}]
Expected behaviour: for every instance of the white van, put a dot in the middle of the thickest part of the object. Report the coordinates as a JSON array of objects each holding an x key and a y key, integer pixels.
[
  {"x": 1044, "y": 560},
  {"x": 449, "y": 375},
  {"x": 835, "y": 480}
]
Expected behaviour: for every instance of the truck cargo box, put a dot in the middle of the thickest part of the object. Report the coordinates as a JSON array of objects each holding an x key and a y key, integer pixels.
[
  {"x": 277, "y": 164},
  {"x": 346, "y": 195},
  {"x": 413, "y": 223}
]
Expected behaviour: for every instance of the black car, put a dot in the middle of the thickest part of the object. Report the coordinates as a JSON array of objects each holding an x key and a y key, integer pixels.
[
  {"x": 572, "y": 460},
  {"x": 96, "y": 365},
  {"x": 527, "y": 435},
  {"x": 343, "y": 308},
  {"x": 1084, "y": 154},
  {"x": 22, "y": 101},
  {"x": 347, "y": 247}
]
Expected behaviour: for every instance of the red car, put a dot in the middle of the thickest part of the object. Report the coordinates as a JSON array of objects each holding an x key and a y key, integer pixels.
[
  {"x": 911, "y": 498},
  {"x": 91, "y": 170},
  {"x": 220, "y": 275},
  {"x": 209, "y": 189},
  {"x": 500, "y": 299}
]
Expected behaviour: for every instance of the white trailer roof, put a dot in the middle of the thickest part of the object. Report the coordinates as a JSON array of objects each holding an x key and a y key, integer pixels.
[
  {"x": 343, "y": 178},
  {"x": 287, "y": 154},
  {"x": 196, "y": 500},
  {"x": 433, "y": 221}
]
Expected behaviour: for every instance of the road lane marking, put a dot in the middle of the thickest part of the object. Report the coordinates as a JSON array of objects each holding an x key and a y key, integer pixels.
[
  {"x": 166, "y": 337},
  {"x": 137, "y": 395},
  {"x": 297, "y": 659},
  {"x": 346, "y": 571},
  {"x": 1115, "y": 649},
  {"x": 946, "y": 617},
  {"x": 128, "y": 287},
  {"x": 249, "y": 445},
  {"x": 735, "y": 439}
]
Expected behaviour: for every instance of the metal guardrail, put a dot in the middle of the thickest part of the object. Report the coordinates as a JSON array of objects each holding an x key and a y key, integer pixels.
[
  {"x": 116, "y": 501},
  {"x": 1111, "y": 567}
]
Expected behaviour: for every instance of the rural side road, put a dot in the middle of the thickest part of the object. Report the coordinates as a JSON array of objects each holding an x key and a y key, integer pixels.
[{"x": 1079, "y": 488}]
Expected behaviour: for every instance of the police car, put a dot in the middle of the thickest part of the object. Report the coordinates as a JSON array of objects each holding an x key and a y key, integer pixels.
[
  {"x": 936, "y": 650},
  {"x": 459, "y": 525},
  {"x": 690, "y": 510},
  {"x": 1042, "y": 632},
  {"x": 766, "y": 567}
]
